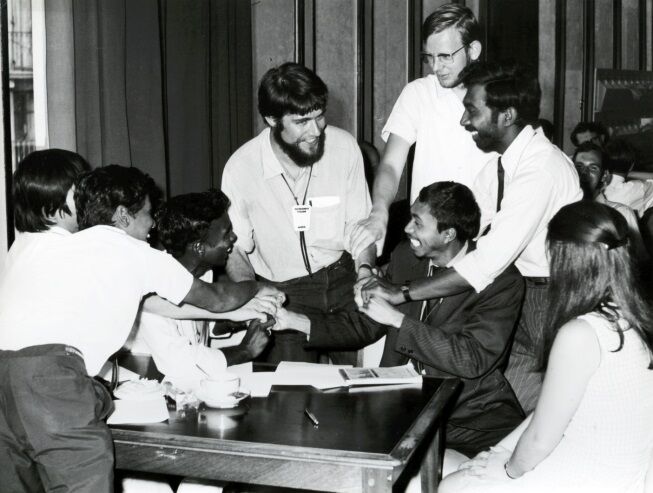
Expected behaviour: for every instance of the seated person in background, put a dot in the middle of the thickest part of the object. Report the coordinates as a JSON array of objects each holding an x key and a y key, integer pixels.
[
  {"x": 66, "y": 305},
  {"x": 637, "y": 194},
  {"x": 195, "y": 228},
  {"x": 590, "y": 161},
  {"x": 593, "y": 132},
  {"x": 467, "y": 335},
  {"x": 591, "y": 429}
]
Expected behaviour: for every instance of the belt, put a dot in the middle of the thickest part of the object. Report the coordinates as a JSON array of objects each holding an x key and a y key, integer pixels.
[
  {"x": 44, "y": 350},
  {"x": 537, "y": 281}
]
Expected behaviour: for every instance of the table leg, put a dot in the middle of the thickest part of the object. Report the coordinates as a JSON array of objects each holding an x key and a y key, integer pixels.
[{"x": 431, "y": 468}]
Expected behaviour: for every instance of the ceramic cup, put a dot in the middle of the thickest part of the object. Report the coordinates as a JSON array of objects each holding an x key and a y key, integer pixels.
[{"x": 220, "y": 387}]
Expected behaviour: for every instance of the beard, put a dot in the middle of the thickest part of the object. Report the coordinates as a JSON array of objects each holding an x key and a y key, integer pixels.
[
  {"x": 485, "y": 141},
  {"x": 300, "y": 157}
]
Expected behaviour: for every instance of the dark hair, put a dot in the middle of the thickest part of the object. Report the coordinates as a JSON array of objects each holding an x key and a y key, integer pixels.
[
  {"x": 456, "y": 15},
  {"x": 591, "y": 147},
  {"x": 592, "y": 270},
  {"x": 547, "y": 127},
  {"x": 507, "y": 84},
  {"x": 620, "y": 156},
  {"x": 291, "y": 89},
  {"x": 100, "y": 192},
  {"x": 596, "y": 127},
  {"x": 186, "y": 218},
  {"x": 454, "y": 206},
  {"x": 40, "y": 185}
]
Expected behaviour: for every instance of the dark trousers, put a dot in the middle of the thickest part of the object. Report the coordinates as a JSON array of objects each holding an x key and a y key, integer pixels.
[
  {"x": 469, "y": 441},
  {"x": 52, "y": 433},
  {"x": 327, "y": 290},
  {"x": 523, "y": 371}
]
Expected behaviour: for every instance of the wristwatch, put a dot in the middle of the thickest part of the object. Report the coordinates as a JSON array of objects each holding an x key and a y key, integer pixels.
[{"x": 405, "y": 290}]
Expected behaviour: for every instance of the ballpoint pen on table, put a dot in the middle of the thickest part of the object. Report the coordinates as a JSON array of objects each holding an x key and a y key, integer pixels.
[{"x": 312, "y": 417}]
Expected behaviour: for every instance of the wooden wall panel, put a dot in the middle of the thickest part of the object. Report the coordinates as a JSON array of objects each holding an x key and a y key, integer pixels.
[
  {"x": 573, "y": 70},
  {"x": 390, "y": 61},
  {"x": 547, "y": 61},
  {"x": 273, "y": 42},
  {"x": 336, "y": 52},
  {"x": 603, "y": 24},
  {"x": 630, "y": 34}
]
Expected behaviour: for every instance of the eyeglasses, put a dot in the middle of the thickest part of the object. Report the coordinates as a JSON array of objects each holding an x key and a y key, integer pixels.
[{"x": 443, "y": 58}]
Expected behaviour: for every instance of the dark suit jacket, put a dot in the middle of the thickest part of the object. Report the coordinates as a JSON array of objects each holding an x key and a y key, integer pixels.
[{"x": 467, "y": 336}]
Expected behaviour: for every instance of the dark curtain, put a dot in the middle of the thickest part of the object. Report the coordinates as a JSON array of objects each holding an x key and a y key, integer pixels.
[{"x": 162, "y": 85}]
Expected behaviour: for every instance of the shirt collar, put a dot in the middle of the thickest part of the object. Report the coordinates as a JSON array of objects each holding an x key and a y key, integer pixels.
[
  {"x": 456, "y": 258},
  {"x": 616, "y": 180},
  {"x": 510, "y": 159},
  {"x": 58, "y": 230},
  {"x": 271, "y": 165}
]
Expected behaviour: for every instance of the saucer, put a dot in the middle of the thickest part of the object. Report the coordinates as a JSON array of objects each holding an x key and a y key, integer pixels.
[{"x": 224, "y": 403}]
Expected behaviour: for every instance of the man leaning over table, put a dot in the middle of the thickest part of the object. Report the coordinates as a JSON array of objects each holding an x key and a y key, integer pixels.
[
  {"x": 465, "y": 336},
  {"x": 65, "y": 307},
  {"x": 295, "y": 191},
  {"x": 518, "y": 194}
]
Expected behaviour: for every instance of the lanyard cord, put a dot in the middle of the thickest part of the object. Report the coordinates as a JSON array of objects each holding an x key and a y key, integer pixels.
[{"x": 302, "y": 237}]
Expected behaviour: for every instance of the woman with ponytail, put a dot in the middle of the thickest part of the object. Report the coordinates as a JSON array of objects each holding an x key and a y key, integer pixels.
[{"x": 592, "y": 428}]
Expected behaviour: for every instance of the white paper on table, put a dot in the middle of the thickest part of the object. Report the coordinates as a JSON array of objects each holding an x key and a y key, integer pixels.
[
  {"x": 139, "y": 412},
  {"x": 123, "y": 373},
  {"x": 312, "y": 374}
]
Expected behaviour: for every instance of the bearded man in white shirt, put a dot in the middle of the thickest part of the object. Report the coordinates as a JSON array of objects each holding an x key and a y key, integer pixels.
[
  {"x": 296, "y": 189},
  {"x": 518, "y": 195}
]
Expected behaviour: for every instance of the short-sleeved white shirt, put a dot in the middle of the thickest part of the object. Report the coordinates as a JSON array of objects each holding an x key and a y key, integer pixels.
[
  {"x": 429, "y": 115},
  {"x": 83, "y": 290},
  {"x": 177, "y": 347},
  {"x": 261, "y": 204}
]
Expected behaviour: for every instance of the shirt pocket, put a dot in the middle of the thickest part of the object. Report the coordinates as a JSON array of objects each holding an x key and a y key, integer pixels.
[{"x": 326, "y": 221}]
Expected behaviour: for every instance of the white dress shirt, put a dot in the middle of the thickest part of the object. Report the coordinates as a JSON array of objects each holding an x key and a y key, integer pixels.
[
  {"x": 636, "y": 194},
  {"x": 261, "y": 204},
  {"x": 429, "y": 115},
  {"x": 539, "y": 179}
]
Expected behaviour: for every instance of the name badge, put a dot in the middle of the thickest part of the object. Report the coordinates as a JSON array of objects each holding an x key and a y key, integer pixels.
[{"x": 301, "y": 217}]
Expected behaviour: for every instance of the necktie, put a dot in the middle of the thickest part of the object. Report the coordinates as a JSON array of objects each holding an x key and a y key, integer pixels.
[
  {"x": 500, "y": 174},
  {"x": 424, "y": 312}
]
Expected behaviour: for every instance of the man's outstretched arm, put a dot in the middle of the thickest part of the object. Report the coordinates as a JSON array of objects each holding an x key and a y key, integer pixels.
[
  {"x": 386, "y": 183},
  {"x": 445, "y": 283}
]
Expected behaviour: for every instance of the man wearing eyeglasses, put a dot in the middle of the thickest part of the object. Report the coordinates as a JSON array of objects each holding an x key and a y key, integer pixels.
[{"x": 427, "y": 114}]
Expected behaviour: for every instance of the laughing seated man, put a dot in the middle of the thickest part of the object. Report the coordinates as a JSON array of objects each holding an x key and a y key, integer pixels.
[
  {"x": 195, "y": 229},
  {"x": 466, "y": 336}
]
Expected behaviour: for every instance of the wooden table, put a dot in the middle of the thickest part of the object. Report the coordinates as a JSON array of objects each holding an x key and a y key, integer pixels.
[{"x": 365, "y": 439}]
